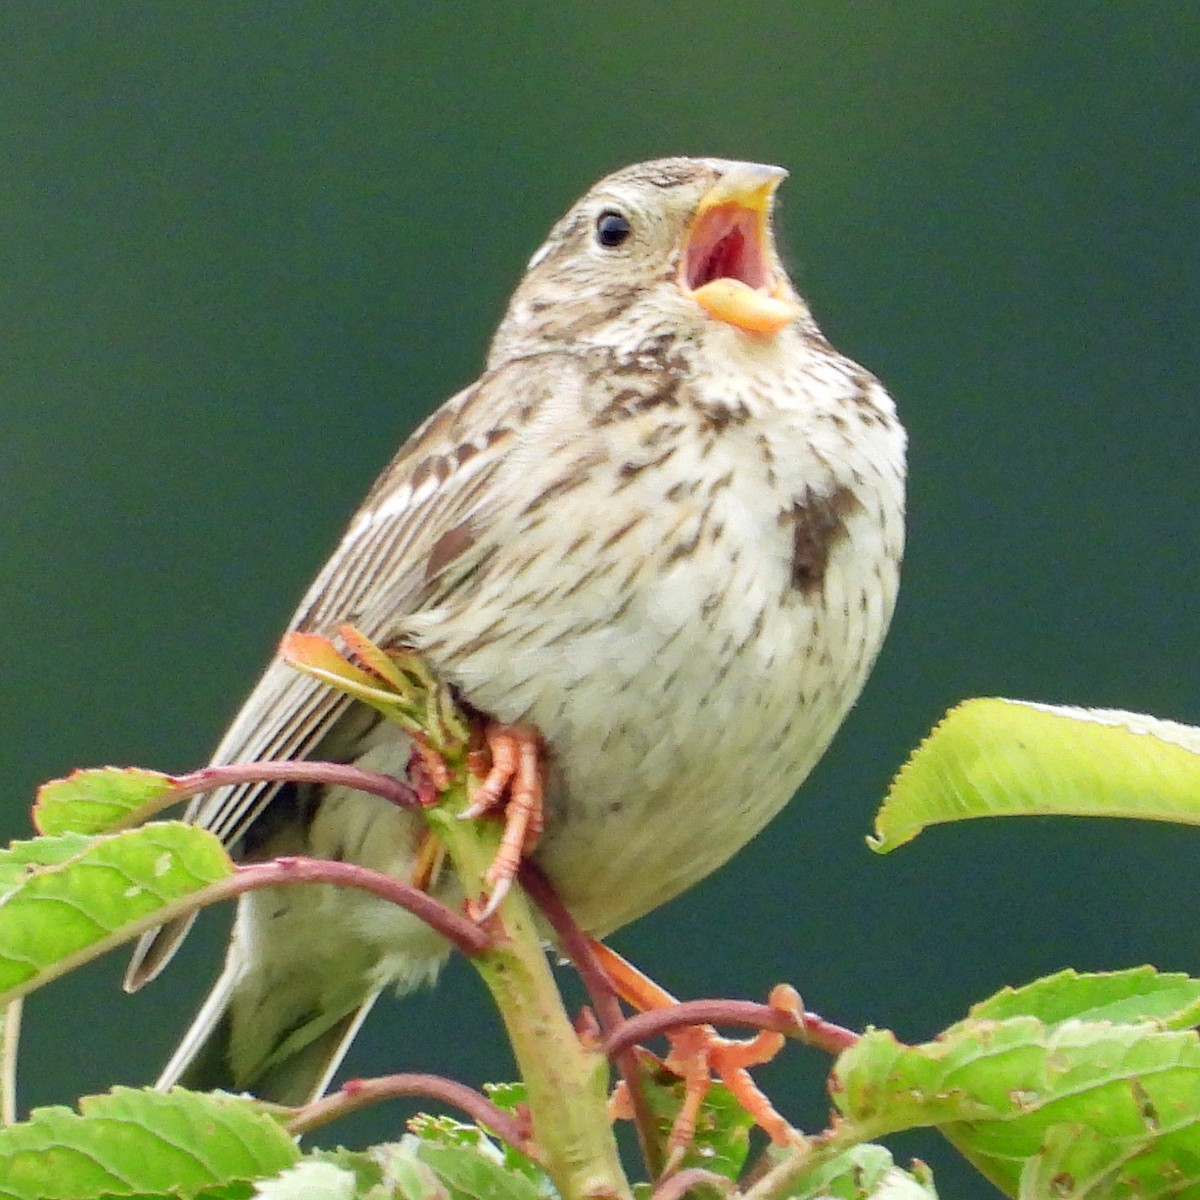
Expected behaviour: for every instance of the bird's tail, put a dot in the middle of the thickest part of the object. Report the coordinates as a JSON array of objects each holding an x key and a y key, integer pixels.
[
  {"x": 280, "y": 1039},
  {"x": 296, "y": 1070}
]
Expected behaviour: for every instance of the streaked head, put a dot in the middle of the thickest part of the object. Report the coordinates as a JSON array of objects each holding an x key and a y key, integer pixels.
[{"x": 668, "y": 245}]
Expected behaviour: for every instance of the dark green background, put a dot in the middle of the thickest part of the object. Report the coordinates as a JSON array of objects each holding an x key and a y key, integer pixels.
[{"x": 244, "y": 247}]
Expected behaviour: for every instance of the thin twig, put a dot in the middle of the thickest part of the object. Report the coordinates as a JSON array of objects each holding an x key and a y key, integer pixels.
[
  {"x": 344, "y": 774},
  {"x": 678, "y": 1185},
  {"x": 469, "y": 937},
  {"x": 746, "y": 1014},
  {"x": 577, "y": 946},
  {"x": 356, "y": 1094}
]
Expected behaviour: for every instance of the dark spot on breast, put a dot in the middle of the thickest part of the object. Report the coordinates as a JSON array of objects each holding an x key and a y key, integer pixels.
[
  {"x": 626, "y": 402},
  {"x": 818, "y": 525},
  {"x": 718, "y": 415}
]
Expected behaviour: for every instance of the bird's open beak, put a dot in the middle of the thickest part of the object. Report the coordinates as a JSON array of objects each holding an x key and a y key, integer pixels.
[{"x": 727, "y": 260}]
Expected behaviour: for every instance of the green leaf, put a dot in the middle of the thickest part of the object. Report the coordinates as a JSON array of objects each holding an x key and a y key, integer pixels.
[
  {"x": 865, "y": 1172},
  {"x": 476, "y": 1172},
  {"x": 1003, "y": 758},
  {"x": 133, "y": 1142},
  {"x": 723, "y": 1127},
  {"x": 405, "y": 1177},
  {"x": 996, "y": 1089},
  {"x": 1136, "y": 994},
  {"x": 1077, "y": 1162},
  {"x": 60, "y": 915},
  {"x": 100, "y": 800},
  {"x": 17, "y": 859},
  {"x": 475, "y": 1159}
]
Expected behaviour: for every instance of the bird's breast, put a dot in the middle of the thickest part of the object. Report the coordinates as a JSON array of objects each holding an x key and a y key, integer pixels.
[{"x": 687, "y": 633}]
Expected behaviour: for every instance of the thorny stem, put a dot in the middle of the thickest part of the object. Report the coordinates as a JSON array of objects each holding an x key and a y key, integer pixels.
[
  {"x": 812, "y": 1030},
  {"x": 356, "y": 1094},
  {"x": 578, "y": 948}
]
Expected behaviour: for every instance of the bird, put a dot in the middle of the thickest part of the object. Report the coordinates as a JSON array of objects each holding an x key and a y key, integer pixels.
[{"x": 662, "y": 530}]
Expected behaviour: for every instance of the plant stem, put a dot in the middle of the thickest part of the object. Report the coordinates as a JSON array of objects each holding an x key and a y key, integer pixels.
[
  {"x": 581, "y": 950},
  {"x": 812, "y": 1030},
  {"x": 566, "y": 1082},
  {"x": 357, "y": 1094}
]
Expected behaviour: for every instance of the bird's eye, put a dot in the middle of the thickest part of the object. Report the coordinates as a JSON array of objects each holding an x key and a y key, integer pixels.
[{"x": 611, "y": 228}]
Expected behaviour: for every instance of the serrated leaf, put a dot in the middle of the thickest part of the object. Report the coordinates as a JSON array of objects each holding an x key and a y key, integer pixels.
[
  {"x": 100, "y": 800},
  {"x": 60, "y": 915},
  {"x": 1002, "y": 758},
  {"x": 476, "y": 1172},
  {"x": 444, "y": 1132},
  {"x": 132, "y": 1143},
  {"x": 1135, "y": 994},
  {"x": 995, "y": 1088},
  {"x": 865, "y": 1172}
]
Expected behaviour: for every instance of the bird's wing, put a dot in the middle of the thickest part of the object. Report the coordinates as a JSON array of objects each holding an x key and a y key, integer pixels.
[{"x": 405, "y": 546}]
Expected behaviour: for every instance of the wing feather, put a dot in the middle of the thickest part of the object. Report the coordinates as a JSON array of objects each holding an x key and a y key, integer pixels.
[{"x": 441, "y": 477}]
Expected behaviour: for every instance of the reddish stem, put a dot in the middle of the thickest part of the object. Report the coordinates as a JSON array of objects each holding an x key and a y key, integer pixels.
[
  {"x": 577, "y": 946},
  {"x": 746, "y": 1014},
  {"x": 356, "y": 1094},
  {"x": 460, "y": 930},
  {"x": 344, "y": 774}
]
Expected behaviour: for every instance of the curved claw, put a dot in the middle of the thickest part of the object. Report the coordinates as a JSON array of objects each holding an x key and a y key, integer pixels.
[{"x": 514, "y": 781}]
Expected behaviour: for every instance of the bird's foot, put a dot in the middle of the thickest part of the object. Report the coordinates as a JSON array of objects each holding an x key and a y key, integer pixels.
[
  {"x": 698, "y": 1054},
  {"x": 513, "y": 781},
  {"x": 428, "y": 774}
]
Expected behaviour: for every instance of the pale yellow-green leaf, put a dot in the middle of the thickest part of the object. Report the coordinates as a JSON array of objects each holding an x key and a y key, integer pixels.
[
  {"x": 1135, "y": 994},
  {"x": 100, "y": 800},
  {"x": 1003, "y": 758},
  {"x": 864, "y": 1172},
  {"x": 57, "y": 916}
]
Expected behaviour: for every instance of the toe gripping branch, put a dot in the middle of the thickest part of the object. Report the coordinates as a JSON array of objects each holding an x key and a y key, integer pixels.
[
  {"x": 513, "y": 781},
  {"x": 698, "y": 1052}
]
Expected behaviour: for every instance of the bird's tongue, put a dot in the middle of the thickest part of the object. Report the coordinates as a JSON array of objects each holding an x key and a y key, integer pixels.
[{"x": 727, "y": 274}]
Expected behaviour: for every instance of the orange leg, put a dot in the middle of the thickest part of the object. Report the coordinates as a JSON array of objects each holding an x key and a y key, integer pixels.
[
  {"x": 699, "y": 1052},
  {"x": 514, "y": 782}
]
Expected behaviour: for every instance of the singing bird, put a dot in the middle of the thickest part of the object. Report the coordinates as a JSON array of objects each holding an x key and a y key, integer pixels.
[{"x": 663, "y": 529}]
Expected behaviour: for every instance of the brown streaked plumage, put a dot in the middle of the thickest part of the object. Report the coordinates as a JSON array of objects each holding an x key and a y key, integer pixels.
[{"x": 663, "y": 528}]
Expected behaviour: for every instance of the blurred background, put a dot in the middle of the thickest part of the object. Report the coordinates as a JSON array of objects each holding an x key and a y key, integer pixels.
[{"x": 247, "y": 246}]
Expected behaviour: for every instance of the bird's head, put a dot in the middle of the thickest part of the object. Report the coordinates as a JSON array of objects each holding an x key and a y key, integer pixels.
[{"x": 663, "y": 247}]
